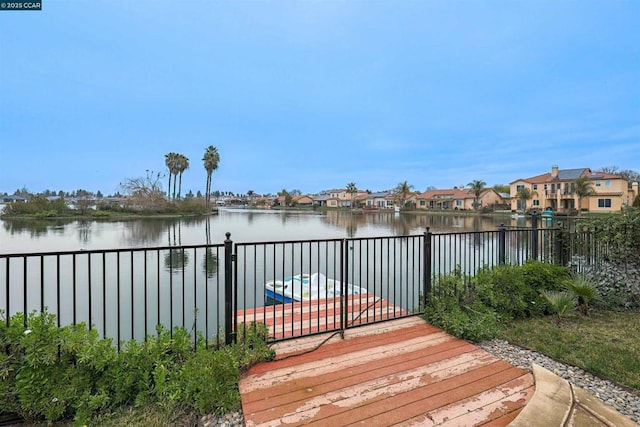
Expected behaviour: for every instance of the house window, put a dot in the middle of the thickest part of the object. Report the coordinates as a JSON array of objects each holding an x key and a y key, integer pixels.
[
  {"x": 598, "y": 183},
  {"x": 535, "y": 186},
  {"x": 536, "y": 202},
  {"x": 604, "y": 203},
  {"x": 545, "y": 186},
  {"x": 607, "y": 183},
  {"x": 458, "y": 202},
  {"x": 423, "y": 202},
  {"x": 389, "y": 203},
  {"x": 519, "y": 187}
]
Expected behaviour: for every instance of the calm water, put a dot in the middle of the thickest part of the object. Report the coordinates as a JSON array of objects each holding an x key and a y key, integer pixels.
[
  {"x": 126, "y": 294},
  {"x": 18, "y": 236}
]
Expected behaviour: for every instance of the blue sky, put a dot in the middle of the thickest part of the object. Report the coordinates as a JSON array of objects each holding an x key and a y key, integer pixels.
[{"x": 312, "y": 95}]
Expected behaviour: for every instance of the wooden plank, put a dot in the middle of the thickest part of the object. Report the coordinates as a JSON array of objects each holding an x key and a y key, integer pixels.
[{"x": 409, "y": 374}]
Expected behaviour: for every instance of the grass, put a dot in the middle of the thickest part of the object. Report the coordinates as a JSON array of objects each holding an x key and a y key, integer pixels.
[{"x": 605, "y": 343}]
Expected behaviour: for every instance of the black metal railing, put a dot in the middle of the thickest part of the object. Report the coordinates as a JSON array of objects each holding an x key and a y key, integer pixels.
[
  {"x": 210, "y": 289},
  {"x": 123, "y": 293}
]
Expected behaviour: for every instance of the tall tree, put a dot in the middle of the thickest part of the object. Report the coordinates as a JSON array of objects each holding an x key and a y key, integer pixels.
[
  {"x": 352, "y": 190},
  {"x": 402, "y": 191},
  {"x": 170, "y": 162},
  {"x": 181, "y": 166},
  {"x": 477, "y": 187},
  {"x": 582, "y": 189},
  {"x": 211, "y": 160},
  {"x": 525, "y": 194}
]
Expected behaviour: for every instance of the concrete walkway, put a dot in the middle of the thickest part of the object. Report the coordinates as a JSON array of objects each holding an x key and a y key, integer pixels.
[{"x": 556, "y": 402}]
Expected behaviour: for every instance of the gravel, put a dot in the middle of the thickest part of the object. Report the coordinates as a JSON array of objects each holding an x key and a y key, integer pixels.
[
  {"x": 623, "y": 399},
  {"x": 233, "y": 419}
]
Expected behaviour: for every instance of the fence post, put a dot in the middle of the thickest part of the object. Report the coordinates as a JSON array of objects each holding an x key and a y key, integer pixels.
[
  {"x": 426, "y": 261},
  {"x": 534, "y": 236},
  {"x": 228, "y": 289},
  {"x": 502, "y": 239},
  {"x": 558, "y": 246},
  {"x": 344, "y": 278}
]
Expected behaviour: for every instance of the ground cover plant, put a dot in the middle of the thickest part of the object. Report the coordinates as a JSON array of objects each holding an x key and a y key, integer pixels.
[{"x": 50, "y": 373}]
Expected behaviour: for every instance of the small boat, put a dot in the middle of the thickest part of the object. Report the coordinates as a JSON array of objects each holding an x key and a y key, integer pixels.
[{"x": 305, "y": 287}]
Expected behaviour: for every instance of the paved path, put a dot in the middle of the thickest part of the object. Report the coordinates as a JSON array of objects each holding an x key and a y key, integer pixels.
[{"x": 402, "y": 372}]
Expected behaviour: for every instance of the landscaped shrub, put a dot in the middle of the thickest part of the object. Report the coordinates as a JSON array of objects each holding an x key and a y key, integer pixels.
[
  {"x": 515, "y": 291},
  {"x": 474, "y": 322},
  {"x": 584, "y": 290},
  {"x": 458, "y": 312},
  {"x": 475, "y": 311},
  {"x": 51, "y": 373}
]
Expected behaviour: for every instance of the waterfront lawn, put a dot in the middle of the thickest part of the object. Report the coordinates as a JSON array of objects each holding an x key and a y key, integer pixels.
[{"x": 605, "y": 342}]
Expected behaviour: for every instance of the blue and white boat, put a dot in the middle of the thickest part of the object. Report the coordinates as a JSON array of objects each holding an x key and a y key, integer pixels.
[{"x": 306, "y": 287}]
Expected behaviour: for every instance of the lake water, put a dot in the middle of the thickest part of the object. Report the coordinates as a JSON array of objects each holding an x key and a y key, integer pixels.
[
  {"x": 125, "y": 293},
  {"x": 20, "y": 236}
]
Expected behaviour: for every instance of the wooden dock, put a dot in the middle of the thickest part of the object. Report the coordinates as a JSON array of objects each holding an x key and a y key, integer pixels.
[
  {"x": 402, "y": 372},
  {"x": 322, "y": 315}
]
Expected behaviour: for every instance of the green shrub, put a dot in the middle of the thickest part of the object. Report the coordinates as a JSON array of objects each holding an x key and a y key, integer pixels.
[
  {"x": 51, "y": 373},
  {"x": 561, "y": 303},
  {"x": 474, "y": 322},
  {"x": 515, "y": 291},
  {"x": 584, "y": 290}
]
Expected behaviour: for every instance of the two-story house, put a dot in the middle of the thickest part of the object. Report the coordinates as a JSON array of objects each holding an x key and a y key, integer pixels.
[
  {"x": 557, "y": 190},
  {"x": 339, "y": 198}
]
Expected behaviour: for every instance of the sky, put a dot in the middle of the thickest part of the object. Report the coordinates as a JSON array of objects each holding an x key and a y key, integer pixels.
[{"x": 312, "y": 95}]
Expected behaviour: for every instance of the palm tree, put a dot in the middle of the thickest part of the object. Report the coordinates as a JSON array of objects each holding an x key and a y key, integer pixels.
[
  {"x": 181, "y": 166},
  {"x": 211, "y": 159},
  {"x": 403, "y": 190},
  {"x": 583, "y": 189},
  {"x": 170, "y": 161},
  {"x": 352, "y": 190},
  {"x": 525, "y": 194},
  {"x": 477, "y": 187}
]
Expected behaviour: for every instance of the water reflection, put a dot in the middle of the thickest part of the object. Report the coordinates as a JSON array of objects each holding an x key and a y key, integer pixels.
[
  {"x": 34, "y": 227},
  {"x": 244, "y": 225},
  {"x": 84, "y": 231},
  {"x": 210, "y": 260},
  {"x": 175, "y": 260}
]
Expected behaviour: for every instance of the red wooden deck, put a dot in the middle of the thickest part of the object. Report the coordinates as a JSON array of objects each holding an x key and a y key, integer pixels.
[{"x": 402, "y": 372}]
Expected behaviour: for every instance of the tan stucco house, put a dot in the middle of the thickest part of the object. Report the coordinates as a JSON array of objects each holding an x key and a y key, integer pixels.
[
  {"x": 456, "y": 199},
  {"x": 556, "y": 190}
]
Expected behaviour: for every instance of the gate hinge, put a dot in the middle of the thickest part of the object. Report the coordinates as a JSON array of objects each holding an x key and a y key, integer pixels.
[{"x": 234, "y": 257}]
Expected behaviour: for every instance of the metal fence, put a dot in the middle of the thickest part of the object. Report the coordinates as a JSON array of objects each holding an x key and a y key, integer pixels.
[
  {"x": 123, "y": 293},
  {"x": 210, "y": 289}
]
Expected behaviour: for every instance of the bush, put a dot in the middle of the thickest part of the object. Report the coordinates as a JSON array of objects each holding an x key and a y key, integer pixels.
[
  {"x": 52, "y": 373},
  {"x": 474, "y": 322},
  {"x": 476, "y": 311},
  {"x": 515, "y": 291}
]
